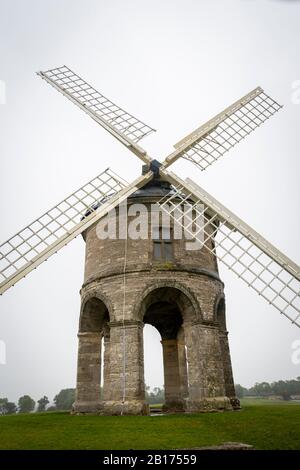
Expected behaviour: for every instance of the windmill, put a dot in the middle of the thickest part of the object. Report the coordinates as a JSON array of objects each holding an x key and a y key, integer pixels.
[{"x": 253, "y": 259}]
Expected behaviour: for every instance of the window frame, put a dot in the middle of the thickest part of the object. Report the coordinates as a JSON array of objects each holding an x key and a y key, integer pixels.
[{"x": 162, "y": 242}]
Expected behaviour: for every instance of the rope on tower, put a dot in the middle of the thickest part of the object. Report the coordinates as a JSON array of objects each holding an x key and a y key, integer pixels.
[{"x": 123, "y": 324}]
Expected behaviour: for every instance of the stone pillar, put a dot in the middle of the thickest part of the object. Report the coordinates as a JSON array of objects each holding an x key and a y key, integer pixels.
[
  {"x": 205, "y": 368},
  {"x": 88, "y": 373},
  {"x": 125, "y": 396},
  {"x": 173, "y": 397},
  {"x": 182, "y": 362},
  {"x": 228, "y": 376},
  {"x": 175, "y": 374}
]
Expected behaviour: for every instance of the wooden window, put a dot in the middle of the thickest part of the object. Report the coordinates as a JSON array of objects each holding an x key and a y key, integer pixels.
[{"x": 162, "y": 244}]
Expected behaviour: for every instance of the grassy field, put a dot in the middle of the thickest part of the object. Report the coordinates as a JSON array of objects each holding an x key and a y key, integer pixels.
[{"x": 264, "y": 424}]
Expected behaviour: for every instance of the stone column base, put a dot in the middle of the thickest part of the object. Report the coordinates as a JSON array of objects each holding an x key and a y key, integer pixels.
[
  {"x": 235, "y": 403},
  {"x": 178, "y": 406},
  {"x": 86, "y": 407},
  {"x": 209, "y": 405},
  {"x": 130, "y": 407}
]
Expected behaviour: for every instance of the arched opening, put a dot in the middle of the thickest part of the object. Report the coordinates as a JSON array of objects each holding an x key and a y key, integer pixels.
[
  {"x": 92, "y": 348},
  {"x": 163, "y": 310},
  {"x": 93, "y": 316},
  {"x": 153, "y": 365}
]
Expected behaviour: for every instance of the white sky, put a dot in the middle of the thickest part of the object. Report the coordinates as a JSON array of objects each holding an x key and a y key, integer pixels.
[{"x": 174, "y": 64}]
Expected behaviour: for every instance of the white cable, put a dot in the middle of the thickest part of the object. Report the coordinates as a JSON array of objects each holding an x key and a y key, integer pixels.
[{"x": 123, "y": 324}]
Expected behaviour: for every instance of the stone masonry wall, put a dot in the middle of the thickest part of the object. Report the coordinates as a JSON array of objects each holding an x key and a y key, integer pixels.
[{"x": 191, "y": 281}]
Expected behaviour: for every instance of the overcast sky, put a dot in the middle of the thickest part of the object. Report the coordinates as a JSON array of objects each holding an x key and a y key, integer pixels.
[{"x": 174, "y": 64}]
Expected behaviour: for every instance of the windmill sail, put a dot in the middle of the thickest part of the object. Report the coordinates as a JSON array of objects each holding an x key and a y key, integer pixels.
[
  {"x": 58, "y": 226},
  {"x": 209, "y": 142},
  {"x": 125, "y": 127},
  {"x": 253, "y": 259}
]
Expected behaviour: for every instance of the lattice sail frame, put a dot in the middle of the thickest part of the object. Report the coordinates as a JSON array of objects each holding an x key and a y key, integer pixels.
[
  {"x": 85, "y": 95},
  {"x": 208, "y": 143},
  {"x": 273, "y": 276},
  {"x": 35, "y": 243}
]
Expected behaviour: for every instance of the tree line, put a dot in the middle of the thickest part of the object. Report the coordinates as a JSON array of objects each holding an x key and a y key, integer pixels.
[
  {"x": 283, "y": 388},
  {"x": 63, "y": 401}
]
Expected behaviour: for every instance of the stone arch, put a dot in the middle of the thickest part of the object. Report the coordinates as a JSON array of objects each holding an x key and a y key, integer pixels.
[
  {"x": 94, "y": 313},
  {"x": 185, "y": 299},
  {"x": 166, "y": 305},
  {"x": 93, "y": 328}
]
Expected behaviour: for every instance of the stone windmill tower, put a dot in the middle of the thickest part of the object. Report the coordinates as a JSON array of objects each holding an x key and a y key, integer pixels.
[
  {"x": 140, "y": 266},
  {"x": 176, "y": 290}
]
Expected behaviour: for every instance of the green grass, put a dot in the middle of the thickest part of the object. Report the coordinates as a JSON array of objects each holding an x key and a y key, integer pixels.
[
  {"x": 265, "y": 426},
  {"x": 266, "y": 402}
]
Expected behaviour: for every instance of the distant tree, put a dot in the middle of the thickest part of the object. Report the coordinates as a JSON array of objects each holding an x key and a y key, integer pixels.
[
  {"x": 42, "y": 403},
  {"x": 279, "y": 387},
  {"x": 51, "y": 408},
  {"x": 26, "y": 404},
  {"x": 7, "y": 407},
  {"x": 262, "y": 389},
  {"x": 65, "y": 399},
  {"x": 11, "y": 408},
  {"x": 240, "y": 390},
  {"x": 156, "y": 396},
  {"x": 3, "y": 406}
]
